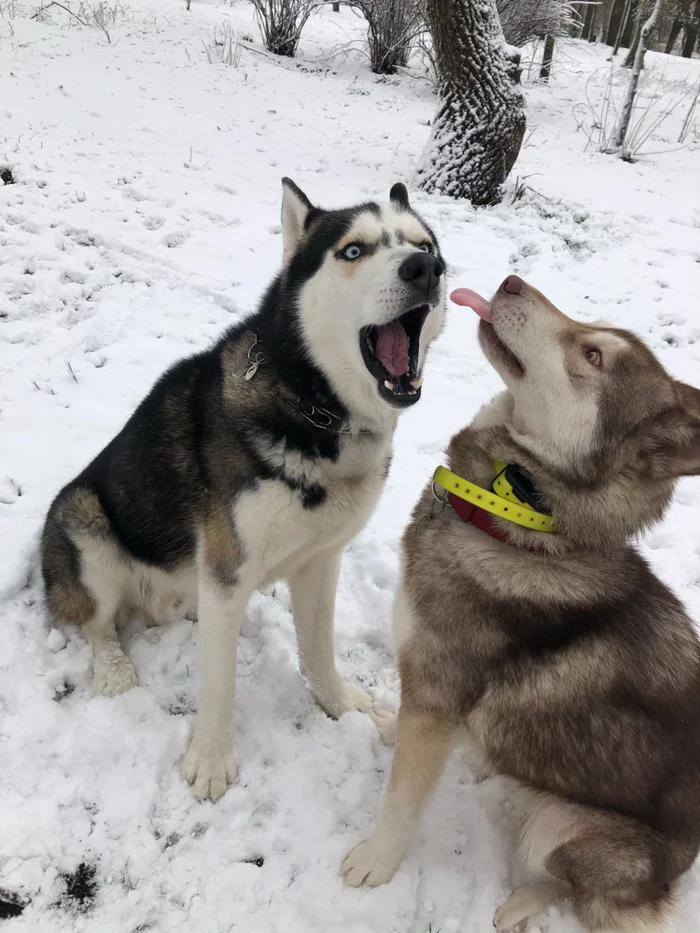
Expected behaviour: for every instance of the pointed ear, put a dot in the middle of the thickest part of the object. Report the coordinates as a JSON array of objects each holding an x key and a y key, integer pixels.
[
  {"x": 399, "y": 195},
  {"x": 671, "y": 446},
  {"x": 296, "y": 208}
]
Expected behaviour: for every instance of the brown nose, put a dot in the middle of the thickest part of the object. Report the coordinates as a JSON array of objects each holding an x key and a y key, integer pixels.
[{"x": 513, "y": 285}]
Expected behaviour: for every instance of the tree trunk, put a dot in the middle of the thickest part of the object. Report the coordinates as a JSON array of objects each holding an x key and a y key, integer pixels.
[
  {"x": 588, "y": 23},
  {"x": 689, "y": 40},
  {"x": 336, "y": 7},
  {"x": 479, "y": 127},
  {"x": 630, "y": 25},
  {"x": 645, "y": 37},
  {"x": 691, "y": 32},
  {"x": 594, "y": 21},
  {"x": 547, "y": 56},
  {"x": 673, "y": 36},
  {"x": 623, "y": 25},
  {"x": 607, "y": 15},
  {"x": 634, "y": 45}
]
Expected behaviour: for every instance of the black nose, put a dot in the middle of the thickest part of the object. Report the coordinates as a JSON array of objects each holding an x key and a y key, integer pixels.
[{"x": 423, "y": 270}]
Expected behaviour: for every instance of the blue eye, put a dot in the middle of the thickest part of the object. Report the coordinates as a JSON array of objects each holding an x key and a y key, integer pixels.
[
  {"x": 354, "y": 251},
  {"x": 426, "y": 247}
]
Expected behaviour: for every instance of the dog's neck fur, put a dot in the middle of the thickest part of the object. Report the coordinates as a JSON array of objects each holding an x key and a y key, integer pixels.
[
  {"x": 600, "y": 512},
  {"x": 305, "y": 382}
]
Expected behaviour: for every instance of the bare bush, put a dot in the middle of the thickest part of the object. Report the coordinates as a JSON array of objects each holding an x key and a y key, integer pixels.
[
  {"x": 281, "y": 23},
  {"x": 426, "y": 51},
  {"x": 393, "y": 27},
  {"x": 523, "y": 20},
  {"x": 8, "y": 9},
  {"x": 689, "y": 121},
  {"x": 98, "y": 14},
  {"x": 224, "y": 46},
  {"x": 656, "y": 100},
  {"x": 101, "y": 15}
]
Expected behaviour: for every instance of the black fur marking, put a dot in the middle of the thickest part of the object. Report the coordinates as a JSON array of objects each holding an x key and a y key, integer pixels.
[
  {"x": 326, "y": 228},
  {"x": 150, "y": 479},
  {"x": 313, "y": 496},
  {"x": 399, "y": 195}
]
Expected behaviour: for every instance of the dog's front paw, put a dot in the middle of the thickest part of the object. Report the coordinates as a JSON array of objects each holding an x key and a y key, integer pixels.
[
  {"x": 371, "y": 863},
  {"x": 385, "y": 720},
  {"x": 113, "y": 673},
  {"x": 344, "y": 698},
  {"x": 209, "y": 774}
]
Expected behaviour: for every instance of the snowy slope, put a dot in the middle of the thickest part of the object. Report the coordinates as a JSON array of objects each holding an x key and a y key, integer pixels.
[{"x": 144, "y": 219}]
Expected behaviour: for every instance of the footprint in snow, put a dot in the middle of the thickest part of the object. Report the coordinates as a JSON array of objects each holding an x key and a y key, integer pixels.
[{"x": 171, "y": 240}]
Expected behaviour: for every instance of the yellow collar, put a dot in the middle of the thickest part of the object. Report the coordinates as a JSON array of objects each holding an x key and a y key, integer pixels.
[{"x": 501, "y": 500}]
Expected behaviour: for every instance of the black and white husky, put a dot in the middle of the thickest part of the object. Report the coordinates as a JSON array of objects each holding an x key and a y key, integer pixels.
[{"x": 257, "y": 460}]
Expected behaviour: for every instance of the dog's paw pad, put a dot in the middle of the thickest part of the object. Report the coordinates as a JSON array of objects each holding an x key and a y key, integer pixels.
[
  {"x": 368, "y": 864},
  {"x": 209, "y": 774}
]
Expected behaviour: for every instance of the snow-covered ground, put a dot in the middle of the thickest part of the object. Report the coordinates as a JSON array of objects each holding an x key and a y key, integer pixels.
[{"x": 143, "y": 220}]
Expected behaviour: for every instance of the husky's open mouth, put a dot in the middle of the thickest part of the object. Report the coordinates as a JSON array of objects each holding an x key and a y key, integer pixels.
[{"x": 390, "y": 352}]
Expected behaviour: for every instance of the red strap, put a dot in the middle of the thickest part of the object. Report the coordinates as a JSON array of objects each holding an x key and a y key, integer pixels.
[{"x": 483, "y": 520}]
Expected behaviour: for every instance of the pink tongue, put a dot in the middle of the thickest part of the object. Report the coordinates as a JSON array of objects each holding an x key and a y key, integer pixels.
[
  {"x": 465, "y": 296},
  {"x": 392, "y": 348}
]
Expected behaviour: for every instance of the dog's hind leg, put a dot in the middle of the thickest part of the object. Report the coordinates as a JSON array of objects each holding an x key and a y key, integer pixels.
[
  {"x": 313, "y": 588},
  {"x": 113, "y": 672},
  {"x": 423, "y": 745},
  {"x": 615, "y": 868},
  {"x": 83, "y": 575}
]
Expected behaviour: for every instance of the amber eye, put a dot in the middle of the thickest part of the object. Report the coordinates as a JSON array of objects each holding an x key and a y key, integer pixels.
[{"x": 594, "y": 356}]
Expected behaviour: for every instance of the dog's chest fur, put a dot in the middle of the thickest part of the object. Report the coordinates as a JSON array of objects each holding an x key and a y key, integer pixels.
[{"x": 310, "y": 503}]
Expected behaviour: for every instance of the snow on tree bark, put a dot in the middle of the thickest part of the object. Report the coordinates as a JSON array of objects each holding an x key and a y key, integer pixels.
[
  {"x": 479, "y": 127},
  {"x": 645, "y": 37}
]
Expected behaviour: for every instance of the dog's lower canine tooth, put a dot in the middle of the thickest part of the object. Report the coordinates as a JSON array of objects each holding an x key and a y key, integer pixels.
[
  {"x": 416, "y": 383},
  {"x": 389, "y": 385}
]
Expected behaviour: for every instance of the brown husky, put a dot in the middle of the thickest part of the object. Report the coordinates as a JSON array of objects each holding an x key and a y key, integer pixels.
[{"x": 560, "y": 659}]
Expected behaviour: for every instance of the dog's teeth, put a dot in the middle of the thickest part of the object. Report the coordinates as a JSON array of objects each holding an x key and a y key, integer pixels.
[
  {"x": 389, "y": 385},
  {"x": 416, "y": 383}
]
